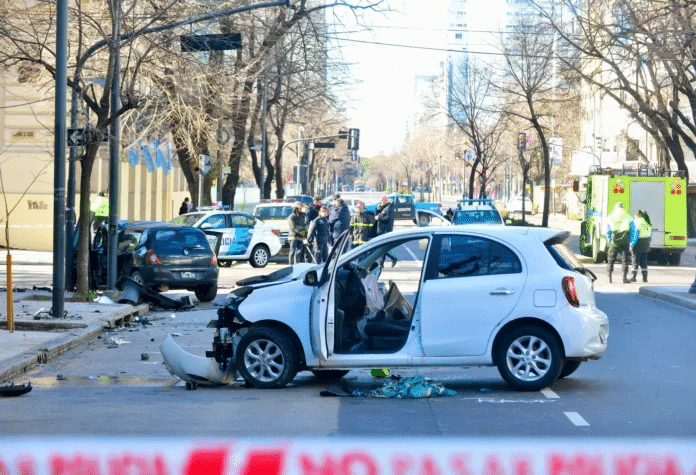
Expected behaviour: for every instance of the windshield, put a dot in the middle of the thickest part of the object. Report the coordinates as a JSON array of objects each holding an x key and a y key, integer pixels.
[
  {"x": 273, "y": 212},
  {"x": 476, "y": 216}
]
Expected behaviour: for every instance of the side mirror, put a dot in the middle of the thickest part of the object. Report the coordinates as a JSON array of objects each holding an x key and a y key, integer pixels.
[
  {"x": 206, "y": 226},
  {"x": 311, "y": 278}
]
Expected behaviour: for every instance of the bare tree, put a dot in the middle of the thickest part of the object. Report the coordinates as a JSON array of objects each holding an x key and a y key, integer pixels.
[{"x": 640, "y": 54}]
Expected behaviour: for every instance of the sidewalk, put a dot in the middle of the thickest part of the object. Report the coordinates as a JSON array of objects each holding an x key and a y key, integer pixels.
[{"x": 38, "y": 337}]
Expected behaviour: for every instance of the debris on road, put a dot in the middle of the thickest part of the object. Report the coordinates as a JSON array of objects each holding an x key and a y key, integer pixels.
[{"x": 12, "y": 390}]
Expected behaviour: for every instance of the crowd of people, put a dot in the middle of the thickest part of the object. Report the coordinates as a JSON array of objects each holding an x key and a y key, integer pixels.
[{"x": 313, "y": 229}]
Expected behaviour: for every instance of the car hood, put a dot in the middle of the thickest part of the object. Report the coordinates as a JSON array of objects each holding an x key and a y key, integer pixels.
[{"x": 278, "y": 277}]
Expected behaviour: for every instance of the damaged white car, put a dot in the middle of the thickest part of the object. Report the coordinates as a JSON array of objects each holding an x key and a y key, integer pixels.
[{"x": 511, "y": 297}]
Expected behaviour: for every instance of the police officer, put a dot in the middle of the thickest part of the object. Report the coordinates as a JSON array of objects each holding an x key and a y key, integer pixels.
[
  {"x": 318, "y": 236},
  {"x": 297, "y": 232},
  {"x": 313, "y": 211},
  {"x": 640, "y": 244},
  {"x": 618, "y": 234},
  {"x": 361, "y": 225},
  {"x": 385, "y": 217},
  {"x": 339, "y": 219}
]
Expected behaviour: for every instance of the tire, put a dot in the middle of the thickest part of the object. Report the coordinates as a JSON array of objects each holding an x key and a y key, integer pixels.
[
  {"x": 662, "y": 259},
  {"x": 225, "y": 263},
  {"x": 329, "y": 374},
  {"x": 674, "y": 259},
  {"x": 138, "y": 277},
  {"x": 206, "y": 293},
  {"x": 259, "y": 256},
  {"x": 266, "y": 358},
  {"x": 529, "y": 358},
  {"x": 569, "y": 367}
]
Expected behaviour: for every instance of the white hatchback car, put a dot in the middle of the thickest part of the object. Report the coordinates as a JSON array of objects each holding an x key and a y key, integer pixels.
[
  {"x": 480, "y": 295},
  {"x": 235, "y": 236}
]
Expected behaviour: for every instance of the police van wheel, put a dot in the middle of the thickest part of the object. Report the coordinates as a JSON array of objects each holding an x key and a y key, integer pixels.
[
  {"x": 674, "y": 259},
  {"x": 259, "y": 256}
]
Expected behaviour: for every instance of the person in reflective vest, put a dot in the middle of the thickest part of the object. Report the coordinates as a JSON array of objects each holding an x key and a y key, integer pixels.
[
  {"x": 618, "y": 233},
  {"x": 297, "y": 233},
  {"x": 362, "y": 225},
  {"x": 640, "y": 244}
]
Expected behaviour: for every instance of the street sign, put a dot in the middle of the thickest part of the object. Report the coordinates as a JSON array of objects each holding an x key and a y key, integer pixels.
[
  {"x": 80, "y": 137},
  {"x": 205, "y": 164},
  {"x": 213, "y": 42},
  {"x": 324, "y": 145}
]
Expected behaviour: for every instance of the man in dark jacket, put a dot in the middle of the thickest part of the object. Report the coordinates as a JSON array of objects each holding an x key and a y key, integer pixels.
[
  {"x": 297, "y": 232},
  {"x": 385, "y": 217},
  {"x": 318, "y": 236},
  {"x": 313, "y": 211},
  {"x": 362, "y": 225},
  {"x": 339, "y": 219}
]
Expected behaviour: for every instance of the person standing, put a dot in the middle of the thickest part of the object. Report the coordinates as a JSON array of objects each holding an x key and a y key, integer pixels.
[
  {"x": 362, "y": 224},
  {"x": 339, "y": 219},
  {"x": 318, "y": 236},
  {"x": 297, "y": 232},
  {"x": 313, "y": 211},
  {"x": 618, "y": 234},
  {"x": 384, "y": 217},
  {"x": 641, "y": 233},
  {"x": 184, "y": 206},
  {"x": 100, "y": 208}
]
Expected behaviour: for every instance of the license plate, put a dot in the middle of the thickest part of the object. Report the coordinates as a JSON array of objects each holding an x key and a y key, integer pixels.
[{"x": 188, "y": 275}]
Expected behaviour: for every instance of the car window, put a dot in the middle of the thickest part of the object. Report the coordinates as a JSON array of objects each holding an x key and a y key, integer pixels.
[
  {"x": 188, "y": 219},
  {"x": 216, "y": 221},
  {"x": 465, "y": 256},
  {"x": 174, "y": 241},
  {"x": 273, "y": 212},
  {"x": 129, "y": 241},
  {"x": 241, "y": 221}
]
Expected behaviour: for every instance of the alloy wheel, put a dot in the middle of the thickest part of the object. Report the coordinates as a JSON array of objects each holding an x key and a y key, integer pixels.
[
  {"x": 264, "y": 360},
  {"x": 529, "y": 358}
]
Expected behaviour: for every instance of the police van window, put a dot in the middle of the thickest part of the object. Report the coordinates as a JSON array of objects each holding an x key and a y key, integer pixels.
[
  {"x": 468, "y": 256},
  {"x": 217, "y": 221}
]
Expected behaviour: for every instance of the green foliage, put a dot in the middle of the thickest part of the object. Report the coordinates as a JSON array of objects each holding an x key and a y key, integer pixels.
[{"x": 85, "y": 297}]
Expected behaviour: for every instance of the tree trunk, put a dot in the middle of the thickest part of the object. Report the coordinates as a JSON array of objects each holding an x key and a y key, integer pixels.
[{"x": 85, "y": 222}]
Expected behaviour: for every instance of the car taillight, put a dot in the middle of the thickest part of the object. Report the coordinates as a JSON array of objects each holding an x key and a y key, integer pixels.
[
  {"x": 151, "y": 258},
  {"x": 276, "y": 232},
  {"x": 570, "y": 291},
  {"x": 213, "y": 261}
]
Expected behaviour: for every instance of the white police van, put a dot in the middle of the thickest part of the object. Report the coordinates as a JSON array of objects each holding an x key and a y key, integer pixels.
[{"x": 235, "y": 236}]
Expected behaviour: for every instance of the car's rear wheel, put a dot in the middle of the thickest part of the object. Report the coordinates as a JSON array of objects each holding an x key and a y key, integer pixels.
[
  {"x": 329, "y": 374},
  {"x": 529, "y": 358},
  {"x": 569, "y": 367},
  {"x": 206, "y": 293},
  {"x": 266, "y": 358},
  {"x": 259, "y": 256}
]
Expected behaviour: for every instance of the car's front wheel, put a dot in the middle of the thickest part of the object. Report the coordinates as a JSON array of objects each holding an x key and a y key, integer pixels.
[
  {"x": 529, "y": 358},
  {"x": 206, "y": 293},
  {"x": 259, "y": 256},
  {"x": 266, "y": 358}
]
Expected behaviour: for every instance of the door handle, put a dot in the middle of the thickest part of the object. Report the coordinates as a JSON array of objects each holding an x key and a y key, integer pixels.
[{"x": 502, "y": 292}]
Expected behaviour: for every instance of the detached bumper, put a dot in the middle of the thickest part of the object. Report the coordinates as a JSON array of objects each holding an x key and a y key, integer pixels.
[{"x": 193, "y": 369}]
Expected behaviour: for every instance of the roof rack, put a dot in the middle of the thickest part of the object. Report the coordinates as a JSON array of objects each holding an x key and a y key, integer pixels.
[{"x": 213, "y": 208}]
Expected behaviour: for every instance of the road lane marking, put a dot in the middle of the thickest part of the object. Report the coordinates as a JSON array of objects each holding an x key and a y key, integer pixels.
[
  {"x": 576, "y": 419},
  {"x": 549, "y": 393}
]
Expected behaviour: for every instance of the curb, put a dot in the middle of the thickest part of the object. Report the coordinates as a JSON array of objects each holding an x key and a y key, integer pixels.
[
  {"x": 48, "y": 351},
  {"x": 670, "y": 297}
]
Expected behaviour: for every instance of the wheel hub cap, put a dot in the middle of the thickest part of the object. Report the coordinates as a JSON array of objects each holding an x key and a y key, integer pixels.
[{"x": 529, "y": 358}]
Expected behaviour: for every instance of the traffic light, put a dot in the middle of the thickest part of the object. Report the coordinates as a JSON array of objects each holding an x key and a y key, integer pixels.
[
  {"x": 353, "y": 139},
  {"x": 522, "y": 141}
]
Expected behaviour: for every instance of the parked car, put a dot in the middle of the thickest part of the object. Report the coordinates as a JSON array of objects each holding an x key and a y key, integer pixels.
[
  {"x": 515, "y": 206},
  {"x": 275, "y": 214},
  {"x": 476, "y": 211},
  {"x": 301, "y": 198},
  {"x": 161, "y": 256},
  {"x": 516, "y": 298},
  {"x": 235, "y": 236}
]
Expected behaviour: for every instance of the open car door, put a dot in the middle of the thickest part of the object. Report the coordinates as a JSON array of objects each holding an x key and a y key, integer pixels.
[{"x": 324, "y": 305}]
